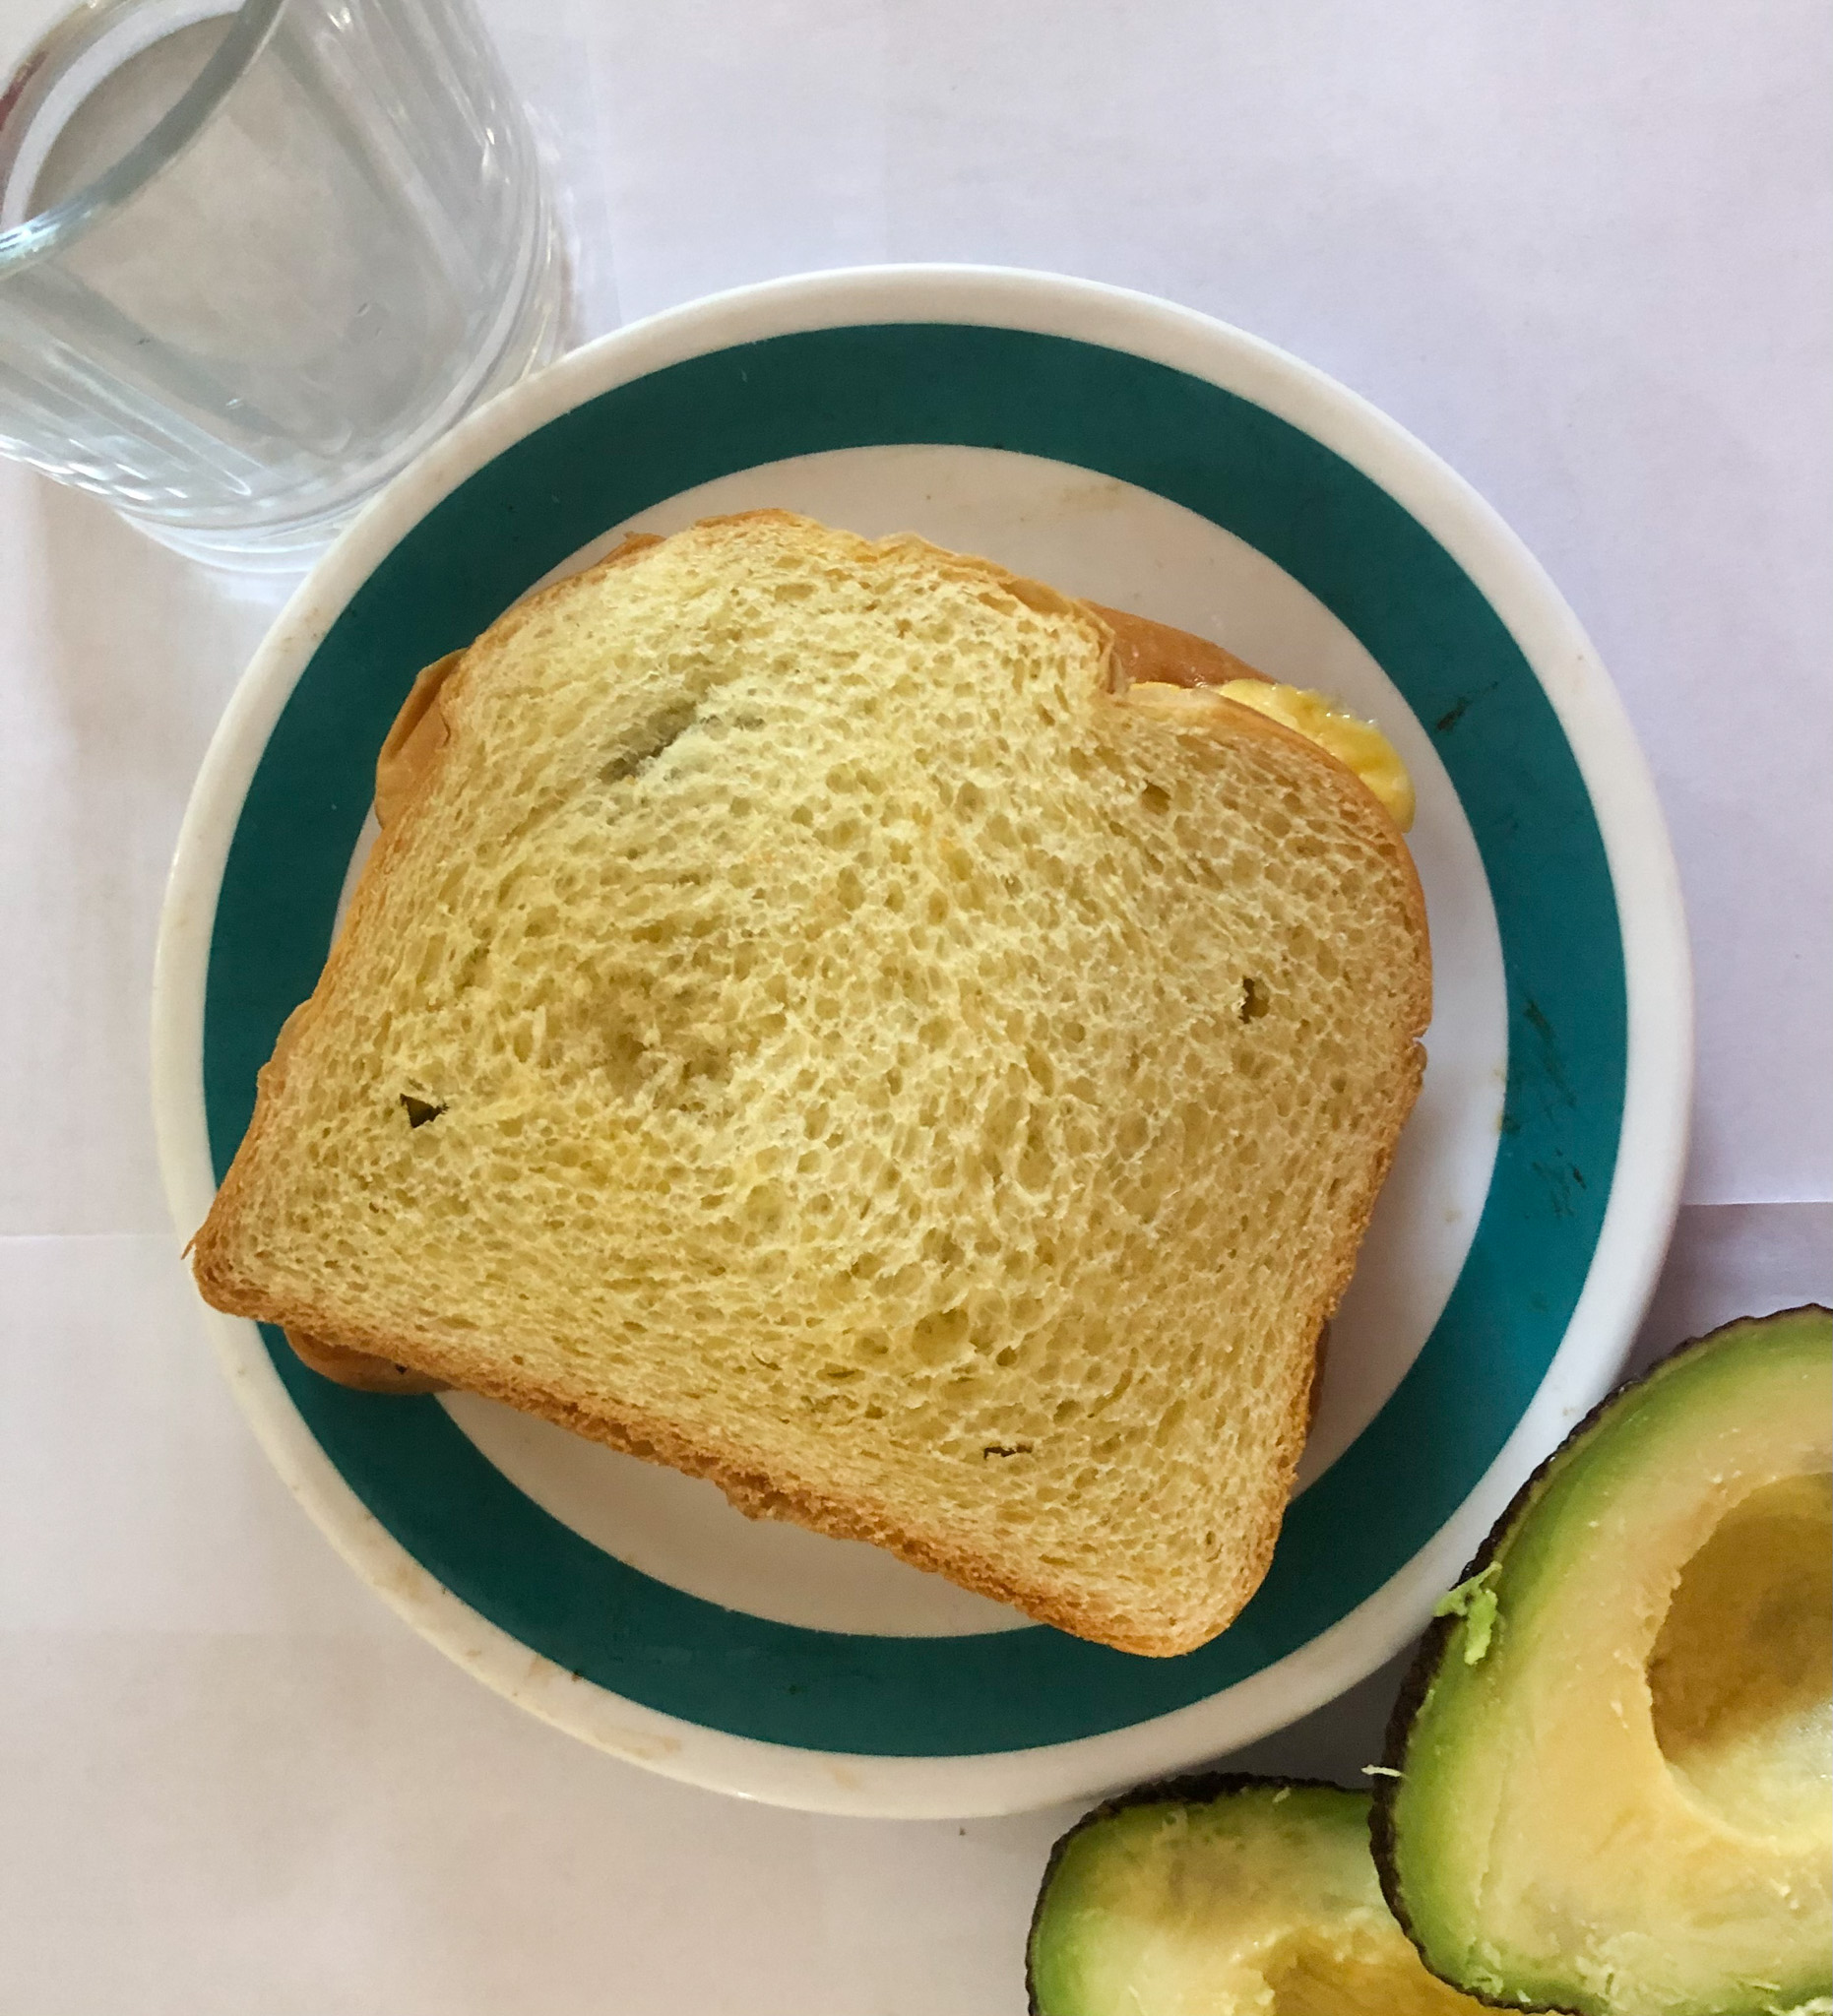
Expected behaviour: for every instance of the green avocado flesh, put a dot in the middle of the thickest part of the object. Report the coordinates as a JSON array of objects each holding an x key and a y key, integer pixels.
[
  {"x": 1262, "y": 1899},
  {"x": 1616, "y": 1785}
]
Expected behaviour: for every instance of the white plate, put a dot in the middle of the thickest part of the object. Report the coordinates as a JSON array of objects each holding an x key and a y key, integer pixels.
[{"x": 1150, "y": 458}]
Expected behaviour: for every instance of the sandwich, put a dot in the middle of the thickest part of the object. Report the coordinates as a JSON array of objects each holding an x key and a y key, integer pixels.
[{"x": 851, "y": 1023}]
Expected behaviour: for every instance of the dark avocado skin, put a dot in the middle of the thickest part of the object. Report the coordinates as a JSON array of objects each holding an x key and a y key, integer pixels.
[
  {"x": 1196, "y": 1791},
  {"x": 1436, "y": 1641}
]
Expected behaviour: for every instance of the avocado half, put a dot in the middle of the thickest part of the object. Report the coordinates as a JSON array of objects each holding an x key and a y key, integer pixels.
[
  {"x": 1225, "y": 1896},
  {"x": 1615, "y": 1791}
]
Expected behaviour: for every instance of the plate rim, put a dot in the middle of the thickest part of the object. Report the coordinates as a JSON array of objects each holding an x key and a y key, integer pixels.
[{"x": 1651, "y": 1152}]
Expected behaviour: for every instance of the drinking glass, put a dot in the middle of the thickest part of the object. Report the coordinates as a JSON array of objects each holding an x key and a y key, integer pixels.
[{"x": 253, "y": 257}]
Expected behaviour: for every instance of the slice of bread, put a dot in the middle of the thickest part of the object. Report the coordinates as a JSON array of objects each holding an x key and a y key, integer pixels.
[{"x": 808, "y": 1021}]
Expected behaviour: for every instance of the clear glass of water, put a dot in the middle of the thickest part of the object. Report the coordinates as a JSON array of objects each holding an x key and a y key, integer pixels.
[{"x": 253, "y": 258}]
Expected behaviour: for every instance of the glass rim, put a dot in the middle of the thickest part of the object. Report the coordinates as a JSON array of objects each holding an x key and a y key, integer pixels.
[{"x": 48, "y": 231}]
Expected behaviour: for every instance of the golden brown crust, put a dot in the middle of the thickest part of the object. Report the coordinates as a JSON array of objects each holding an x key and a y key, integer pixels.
[
  {"x": 362, "y": 1370},
  {"x": 1149, "y": 652},
  {"x": 1314, "y": 1393},
  {"x": 412, "y": 746},
  {"x": 1156, "y": 672}
]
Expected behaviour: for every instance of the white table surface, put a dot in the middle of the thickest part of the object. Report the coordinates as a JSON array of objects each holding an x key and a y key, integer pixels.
[{"x": 1579, "y": 249}]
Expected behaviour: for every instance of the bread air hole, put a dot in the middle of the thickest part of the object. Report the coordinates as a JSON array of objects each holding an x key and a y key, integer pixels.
[{"x": 661, "y": 731}]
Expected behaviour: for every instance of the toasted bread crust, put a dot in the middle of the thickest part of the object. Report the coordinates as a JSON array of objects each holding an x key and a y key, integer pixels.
[
  {"x": 1156, "y": 673},
  {"x": 1146, "y": 651},
  {"x": 361, "y": 1370}
]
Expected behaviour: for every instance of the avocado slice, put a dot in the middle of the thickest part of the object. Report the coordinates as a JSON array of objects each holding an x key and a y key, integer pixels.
[
  {"x": 1224, "y": 1896},
  {"x": 1616, "y": 1794}
]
